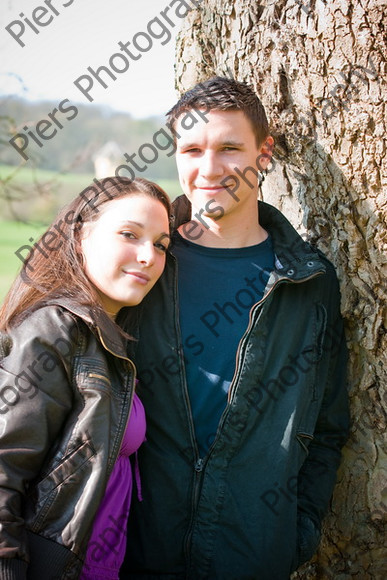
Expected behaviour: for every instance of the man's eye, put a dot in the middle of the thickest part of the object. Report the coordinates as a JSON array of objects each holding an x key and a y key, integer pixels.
[{"x": 192, "y": 150}]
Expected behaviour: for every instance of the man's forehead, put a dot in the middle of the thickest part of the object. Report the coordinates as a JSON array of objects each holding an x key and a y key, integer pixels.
[
  {"x": 230, "y": 125},
  {"x": 212, "y": 115}
]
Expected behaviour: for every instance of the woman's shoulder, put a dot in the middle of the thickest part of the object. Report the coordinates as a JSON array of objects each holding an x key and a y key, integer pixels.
[
  {"x": 48, "y": 318},
  {"x": 47, "y": 325}
]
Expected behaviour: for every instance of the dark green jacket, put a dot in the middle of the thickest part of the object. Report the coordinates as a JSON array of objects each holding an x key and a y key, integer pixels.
[{"x": 250, "y": 509}]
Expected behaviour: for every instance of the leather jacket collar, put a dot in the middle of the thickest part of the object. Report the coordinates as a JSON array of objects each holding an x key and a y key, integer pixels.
[{"x": 99, "y": 322}]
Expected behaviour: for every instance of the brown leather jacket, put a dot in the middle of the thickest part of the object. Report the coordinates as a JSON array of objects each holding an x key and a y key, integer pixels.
[{"x": 66, "y": 389}]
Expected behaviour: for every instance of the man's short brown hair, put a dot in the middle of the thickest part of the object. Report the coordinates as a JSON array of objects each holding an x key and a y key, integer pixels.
[{"x": 224, "y": 94}]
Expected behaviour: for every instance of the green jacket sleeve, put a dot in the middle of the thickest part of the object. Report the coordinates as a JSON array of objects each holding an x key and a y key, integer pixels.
[{"x": 317, "y": 476}]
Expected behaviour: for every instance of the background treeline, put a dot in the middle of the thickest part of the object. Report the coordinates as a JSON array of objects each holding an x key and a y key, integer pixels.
[
  {"x": 33, "y": 191},
  {"x": 73, "y": 148}
]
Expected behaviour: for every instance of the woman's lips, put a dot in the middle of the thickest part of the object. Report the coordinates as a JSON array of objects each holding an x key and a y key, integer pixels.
[{"x": 139, "y": 276}]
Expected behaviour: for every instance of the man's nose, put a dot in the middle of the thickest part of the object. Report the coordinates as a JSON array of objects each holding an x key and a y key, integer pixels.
[{"x": 210, "y": 166}]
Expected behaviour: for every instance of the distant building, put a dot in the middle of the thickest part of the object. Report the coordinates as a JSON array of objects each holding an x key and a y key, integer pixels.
[{"x": 107, "y": 159}]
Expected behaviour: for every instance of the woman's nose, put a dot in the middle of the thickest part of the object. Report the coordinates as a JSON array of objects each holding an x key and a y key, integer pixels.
[{"x": 146, "y": 254}]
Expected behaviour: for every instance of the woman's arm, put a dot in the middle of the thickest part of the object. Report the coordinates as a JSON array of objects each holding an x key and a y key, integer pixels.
[{"x": 35, "y": 399}]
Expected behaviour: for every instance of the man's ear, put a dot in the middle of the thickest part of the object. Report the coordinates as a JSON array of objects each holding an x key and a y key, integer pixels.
[{"x": 266, "y": 152}]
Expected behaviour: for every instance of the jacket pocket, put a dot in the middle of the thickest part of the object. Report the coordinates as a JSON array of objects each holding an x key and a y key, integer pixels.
[
  {"x": 64, "y": 480},
  {"x": 320, "y": 332},
  {"x": 68, "y": 466},
  {"x": 92, "y": 374},
  {"x": 304, "y": 440}
]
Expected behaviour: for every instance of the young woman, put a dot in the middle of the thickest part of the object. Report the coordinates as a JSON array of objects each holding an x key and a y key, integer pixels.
[{"x": 69, "y": 415}]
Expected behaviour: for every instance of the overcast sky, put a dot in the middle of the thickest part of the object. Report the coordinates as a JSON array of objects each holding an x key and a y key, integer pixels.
[{"x": 86, "y": 33}]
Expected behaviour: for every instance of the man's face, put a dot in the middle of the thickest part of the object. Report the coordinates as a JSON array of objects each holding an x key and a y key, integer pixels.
[{"x": 209, "y": 156}]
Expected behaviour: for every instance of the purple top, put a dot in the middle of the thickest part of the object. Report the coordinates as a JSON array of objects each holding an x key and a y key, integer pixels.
[{"x": 107, "y": 544}]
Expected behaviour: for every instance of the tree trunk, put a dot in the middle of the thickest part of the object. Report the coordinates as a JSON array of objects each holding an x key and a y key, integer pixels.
[{"x": 319, "y": 69}]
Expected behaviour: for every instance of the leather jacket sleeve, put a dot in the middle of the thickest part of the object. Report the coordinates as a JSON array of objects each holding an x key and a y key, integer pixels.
[
  {"x": 317, "y": 476},
  {"x": 35, "y": 399}
]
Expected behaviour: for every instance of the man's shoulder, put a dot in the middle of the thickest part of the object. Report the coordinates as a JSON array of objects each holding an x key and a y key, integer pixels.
[
  {"x": 331, "y": 281},
  {"x": 181, "y": 210}
]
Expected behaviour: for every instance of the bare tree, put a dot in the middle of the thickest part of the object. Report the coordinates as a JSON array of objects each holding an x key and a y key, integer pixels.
[
  {"x": 17, "y": 193},
  {"x": 320, "y": 69}
]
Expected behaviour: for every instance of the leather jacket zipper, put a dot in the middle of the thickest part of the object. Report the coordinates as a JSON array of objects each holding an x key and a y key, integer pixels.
[
  {"x": 98, "y": 376},
  {"x": 131, "y": 397}
]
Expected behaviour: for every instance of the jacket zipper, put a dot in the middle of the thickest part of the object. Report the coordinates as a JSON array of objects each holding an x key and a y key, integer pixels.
[
  {"x": 200, "y": 463},
  {"x": 199, "y": 467},
  {"x": 97, "y": 376},
  {"x": 181, "y": 358},
  {"x": 252, "y": 311},
  {"x": 134, "y": 374},
  {"x": 242, "y": 343}
]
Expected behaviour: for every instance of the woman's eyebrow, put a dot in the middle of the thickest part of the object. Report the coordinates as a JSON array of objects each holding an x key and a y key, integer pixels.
[
  {"x": 140, "y": 225},
  {"x": 132, "y": 223},
  {"x": 165, "y": 235}
]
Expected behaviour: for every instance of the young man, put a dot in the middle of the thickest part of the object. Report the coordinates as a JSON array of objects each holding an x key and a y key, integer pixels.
[{"x": 241, "y": 361}]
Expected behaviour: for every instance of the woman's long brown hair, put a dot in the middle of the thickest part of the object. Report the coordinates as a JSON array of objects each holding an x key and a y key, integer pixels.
[{"x": 54, "y": 267}]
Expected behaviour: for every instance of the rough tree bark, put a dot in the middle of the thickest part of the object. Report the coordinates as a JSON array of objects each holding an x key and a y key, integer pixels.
[{"x": 320, "y": 70}]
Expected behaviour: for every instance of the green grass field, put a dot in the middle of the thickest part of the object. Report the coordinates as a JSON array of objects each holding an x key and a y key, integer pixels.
[
  {"x": 27, "y": 176},
  {"x": 38, "y": 210},
  {"x": 74, "y": 182},
  {"x": 13, "y": 235}
]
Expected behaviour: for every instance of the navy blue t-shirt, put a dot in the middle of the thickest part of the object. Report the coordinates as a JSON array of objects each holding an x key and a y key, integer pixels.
[{"x": 217, "y": 288}]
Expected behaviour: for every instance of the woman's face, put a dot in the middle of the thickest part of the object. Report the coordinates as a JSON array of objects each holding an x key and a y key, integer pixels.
[{"x": 124, "y": 249}]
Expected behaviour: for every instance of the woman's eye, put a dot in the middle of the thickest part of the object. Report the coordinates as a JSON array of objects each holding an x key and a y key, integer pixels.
[
  {"x": 129, "y": 235},
  {"x": 161, "y": 247}
]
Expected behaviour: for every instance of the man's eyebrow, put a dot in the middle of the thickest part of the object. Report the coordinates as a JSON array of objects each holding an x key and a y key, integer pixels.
[
  {"x": 233, "y": 143},
  {"x": 188, "y": 145},
  {"x": 226, "y": 142}
]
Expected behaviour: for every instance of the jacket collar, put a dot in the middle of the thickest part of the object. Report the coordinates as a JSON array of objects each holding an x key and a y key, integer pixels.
[
  {"x": 294, "y": 257},
  {"x": 106, "y": 329}
]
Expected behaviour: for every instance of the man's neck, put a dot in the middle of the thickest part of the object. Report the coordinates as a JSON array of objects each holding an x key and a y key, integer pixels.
[{"x": 225, "y": 232}]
